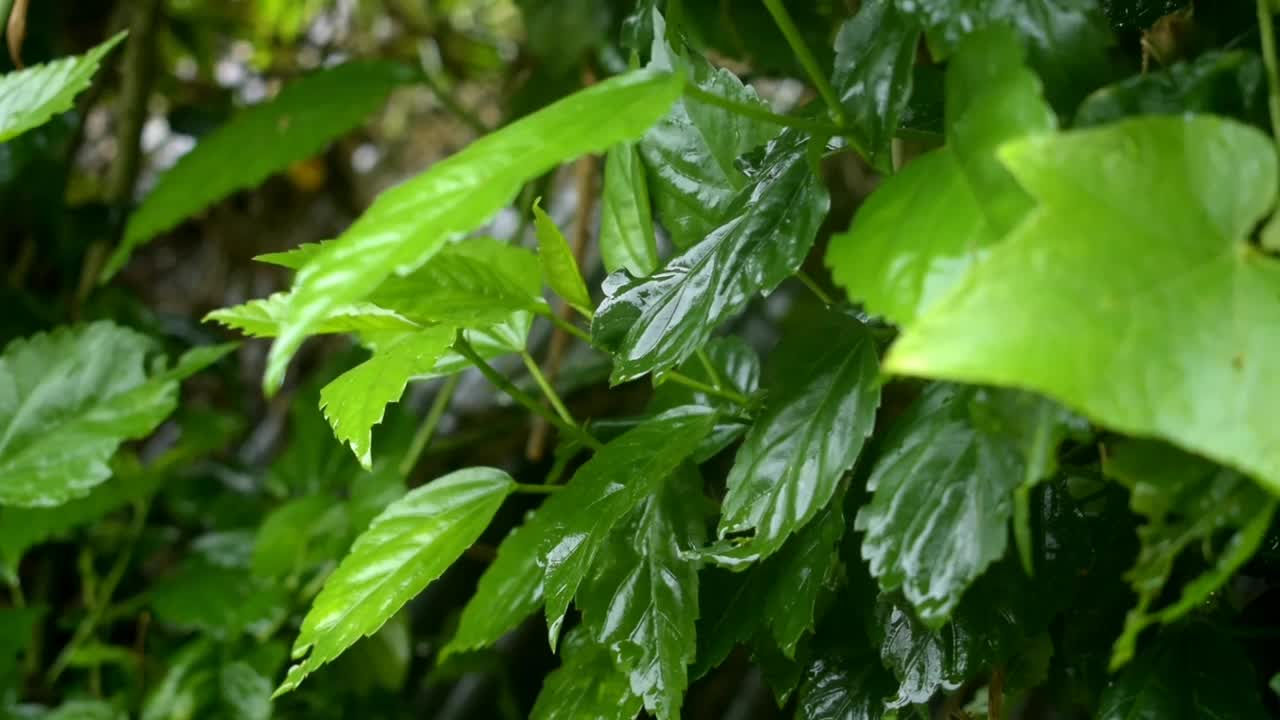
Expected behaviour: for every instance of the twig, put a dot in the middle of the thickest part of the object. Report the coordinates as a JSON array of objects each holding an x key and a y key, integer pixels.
[
  {"x": 995, "y": 695},
  {"x": 16, "y": 32},
  {"x": 806, "y": 58},
  {"x": 543, "y": 384}
]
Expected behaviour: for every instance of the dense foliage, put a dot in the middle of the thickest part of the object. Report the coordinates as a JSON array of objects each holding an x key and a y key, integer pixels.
[{"x": 909, "y": 358}]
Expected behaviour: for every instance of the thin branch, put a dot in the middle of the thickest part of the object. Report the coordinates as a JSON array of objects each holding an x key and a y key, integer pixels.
[
  {"x": 724, "y": 393},
  {"x": 545, "y": 386},
  {"x": 806, "y": 58},
  {"x": 814, "y": 288}
]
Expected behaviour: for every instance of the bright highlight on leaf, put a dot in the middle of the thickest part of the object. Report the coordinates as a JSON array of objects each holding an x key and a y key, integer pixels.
[{"x": 29, "y": 97}]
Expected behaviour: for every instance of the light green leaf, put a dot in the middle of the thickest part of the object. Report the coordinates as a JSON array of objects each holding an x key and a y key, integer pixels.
[
  {"x": 1180, "y": 313},
  {"x": 28, "y": 98},
  {"x": 586, "y": 685},
  {"x": 69, "y": 398},
  {"x": 258, "y": 142},
  {"x": 559, "y": 267},
  {"x": 655, "y": 323},
  {"x": 641, "y": 601},
  {"x": 264, "y": 318},
  {"x": 411, "y": 222},
  {"x": 627, "y": 240},
  {"x": 410, "y": 544},
  {"x": 819, "y": 409},
  {"x": 603, "y": 491},
  {"x": 357, "y": 399},
  {"x": 1188, "y": 504},
  {"x": 920, "y": 230}
]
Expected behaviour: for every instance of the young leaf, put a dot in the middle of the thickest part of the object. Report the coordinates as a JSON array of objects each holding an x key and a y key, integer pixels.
[
  {"x": 1188, "y": 503},
  {"x": 411, "y": 222},
  {"x": 357, "y": 399},
  {"x": 920, "y": 230},
  {"x": 1156, "y": 213},
  {"x": 875, "y": 55},
  {"x": 941, "y": 501},
  {"x": 642, "y": 602},
  {"x": 410, "y": 544},
  {"x": 627, "y": 239},
  {"x": 603, "y": 491},
  {"x": 586, "y": 685},
  {"x": 820, "y": 407},
  {"x": 730, "y": 364},
  {"x": 28, "y": 98},
  {"x": 657, "y": 322},
  {"x": 558, "y": 264},
  {"x": 258, "y": 142},
  {"x": 264, "y": 317}
]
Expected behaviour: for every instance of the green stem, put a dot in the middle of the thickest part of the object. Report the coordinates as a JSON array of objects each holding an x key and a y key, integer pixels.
[
  {"x": 545, "y": 386},
  {"x": 733, "y": 397},
  {"x": 429, "y": 424},
  {"x": 1266, "y": 28},
  {"x": 814, "y": 288},
  {"x": 567, "y": 326},
  {"x": 530, "y": 403},
  {"x": 531, "y": 489},
  {"x": 806, "y": 58},
  {"x": 709, "y": 368},
  {"x": 756, "y": 112}
]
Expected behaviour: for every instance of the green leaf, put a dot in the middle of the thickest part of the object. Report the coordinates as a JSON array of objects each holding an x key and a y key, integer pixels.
[
  {"x": 642, "y": 599},
  {"x": 298, "y": 534},
  {"x": 411, "y": 222},
  {"x": 691, "y": 151},
  {"x": 841, "y": 684},
  {"x": 357, "y": 399},
  {"x": 657, "y": 322},
  {"x": 17, "y": 627},
  {"x": 875, "y": 55},
  {"x": 627, "y": 239},
  {"x": 586, "y": 685},
  {"x": 559, "y": 267},
  {"x": 941, "y": 499},
  {"x": 918, "y": 232},
  {"x": 1224, "y": 83},
  {"x": 823, "y": 392},
  {"x": 69, "y": 398},
  {"x": 258, "y": 142},
  {"x": 1188, "y": 503},
  {"x": 410, "y": 544},
  {"x": 30, "y": 97},
  {"x": 246, "y": 693},
  {"x": 1180, "y": 313},
  {"x": 603, "y": 491},
  {"x": 219, "y": 601},
  {"x": 1194, "y": 672},
  {"x": 731, "y": 364},
  {"x": 85, "y": 710},
  {"x": 265, "y": 317}
]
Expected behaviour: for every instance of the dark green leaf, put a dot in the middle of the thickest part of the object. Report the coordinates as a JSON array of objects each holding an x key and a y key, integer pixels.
[
  {"x": 299, "y": 534},
  {"x": 559, "y": 267},
  {"x": 246, "y": 693},
  {"x": 85, "y": 710},
  {"x": 586, "y": 685},
  {"x": 30, "y": 97},
  {"x": 627, "y": 239},
  {"x": 1224, "y": 83},
  {"x": 222, "y": 602},
  {"x": 17, "y": 627},
  {"x": 844, "y": 685},
  {"x": 730, "y": 364}
]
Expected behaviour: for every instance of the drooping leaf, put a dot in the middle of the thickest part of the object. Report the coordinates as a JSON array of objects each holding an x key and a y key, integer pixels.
[
  {"x": 657, "y": 322},
  {"x": 356, "y": 400},
  {"x": 820, "y": 407},
  {"x": 264, "y": 317},
  {"x": 1227, "y": 83},
  {"x": 942, "y": 499},
  {"x": 627, "y": 239},
  {"x": 875, "y": 56},
  {"x": 1155, "y": 213},
  {"x": 30, "y": 97},
  {"x": 1187, "y": 503},
  {"x": 603, "y": 491},
  {"x": 921, "y": 229},
  {"x": 258, "y": 142},
  {"x": 730, "y": 364},
  {"x": 586, "y": 685},
  {"x": 411, "y": 222},
  {"x": 559, "y": 267},
  {"x": 642, "y": 602},
  {"x": 69, "y": 398},
  {"x": 410, "y": 544}
]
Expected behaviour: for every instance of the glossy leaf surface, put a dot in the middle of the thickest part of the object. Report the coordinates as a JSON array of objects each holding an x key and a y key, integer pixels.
[
  {"x": 30, "y": 97},
  {"x": 586, "y": 685},
  {"x": 559, "y": 267},
  {"x": 627, "y": 239}
]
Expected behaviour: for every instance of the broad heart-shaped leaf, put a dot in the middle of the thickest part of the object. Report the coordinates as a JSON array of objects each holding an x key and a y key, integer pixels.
[
  {"x": 1195, "y": 672},
  {"x": 875, "y": 56},
  {"x": 264, "y": 317},
  {"x": 1187, "y": 503},
  {"x": 1224, "y": 83},
  {"x": 627, "y": 240},
  {"x": 691, "y": 151},
  {"x": 411, "y": 222},
  {"x": 942, "y": 498},
  {"x": 657, "y": 322},
  {"x": 559, "y": 267},
  {"x": 70, "y": 397},
  {"x": 258, "y": 142},
  {"x": 920, "y": 230},
  {"x": 603, "y": 491},
  {"x": 30, "y": 97},
  {"x": 410, "y": 544},
  {"x": 820, "y": 406},
  {"x": 586, "y": 685},
  {"x": 1180, "y": 315},
  {"x": 642, "y": 600},
  {"x": 729, "y": 363},
  {"x": 356, "y": 400}
]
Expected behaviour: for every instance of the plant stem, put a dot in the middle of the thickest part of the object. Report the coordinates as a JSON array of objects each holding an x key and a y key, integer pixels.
[
  {"x": 806, "y": 58},
  {"x": 1267, "y": 30},
  {"x": 734, "y": 397},
  {"x": 543, "y": 384},
  {"x": 755, "y": 112},
  {"x": 814, "y": 288},
  {"x": 446, "y": 98},
  {"x": 532, "y": 489},
  {"x": 568, "y": 327},
  {"x": 709, "y": 367},
  {"x": 428, "y": 428},
  {"x": 464, "y": 349}
]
